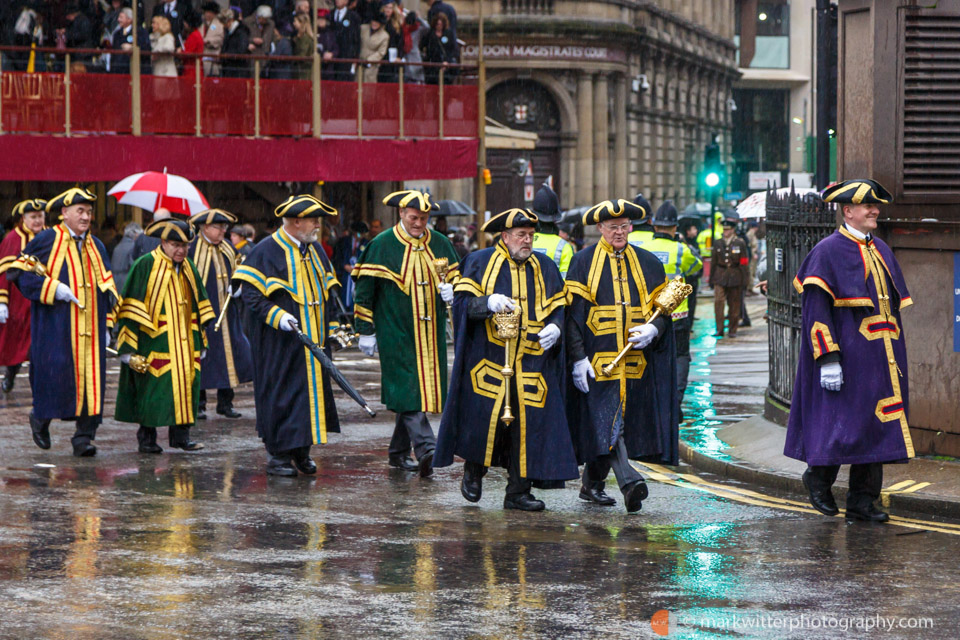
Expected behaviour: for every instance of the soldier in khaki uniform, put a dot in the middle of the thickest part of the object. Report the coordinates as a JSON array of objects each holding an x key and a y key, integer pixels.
[{"x": 729, "y": 275}]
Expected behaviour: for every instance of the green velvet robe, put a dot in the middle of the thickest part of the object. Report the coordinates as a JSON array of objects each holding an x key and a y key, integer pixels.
[
  {"x": 162, "y": 318},
  {"x": 397, "y": 298}
]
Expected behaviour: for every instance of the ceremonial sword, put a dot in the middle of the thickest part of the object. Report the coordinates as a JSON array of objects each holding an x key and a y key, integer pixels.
[{"x": 331, "y": 369}]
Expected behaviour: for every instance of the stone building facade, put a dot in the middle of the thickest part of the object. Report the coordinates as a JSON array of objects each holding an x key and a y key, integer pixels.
[{"x": 623, "y": 94}]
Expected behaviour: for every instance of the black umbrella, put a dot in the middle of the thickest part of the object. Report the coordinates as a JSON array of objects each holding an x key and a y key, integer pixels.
[
  {"x": 331, "y": 369},
  {"x": 453, "y": 208}
]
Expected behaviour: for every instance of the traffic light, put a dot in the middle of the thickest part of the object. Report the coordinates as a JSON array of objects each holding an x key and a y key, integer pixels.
[{"x": 714, "y": 176}]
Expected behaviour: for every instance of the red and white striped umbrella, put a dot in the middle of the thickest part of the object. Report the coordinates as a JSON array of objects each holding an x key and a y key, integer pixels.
[{"x": 153, "y": 190}]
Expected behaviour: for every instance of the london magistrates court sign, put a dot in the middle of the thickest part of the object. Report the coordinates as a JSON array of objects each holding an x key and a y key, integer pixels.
[{"x": 545, "y": 52}]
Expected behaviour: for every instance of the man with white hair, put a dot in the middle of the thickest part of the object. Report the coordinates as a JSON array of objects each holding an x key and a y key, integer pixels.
[{"x": 262, "y": 31}]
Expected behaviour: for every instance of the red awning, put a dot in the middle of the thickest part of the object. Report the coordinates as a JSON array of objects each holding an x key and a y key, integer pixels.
[{"x": 234, "y": 159}]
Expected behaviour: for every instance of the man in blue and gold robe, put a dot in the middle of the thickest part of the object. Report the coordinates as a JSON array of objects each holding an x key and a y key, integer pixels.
[
  {"x": 632, "y": 413},
  {"x": 288, "y": 285},
  {"x": 229, "y": 362},
  {"x": 535, "y": 446},
  {"x": 65, "y": 273},
  {"x": 850, "y": 396},
  {"x": 161, "y": 340}
]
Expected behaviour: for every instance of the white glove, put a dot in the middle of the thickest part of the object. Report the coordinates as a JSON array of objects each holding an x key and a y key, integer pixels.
[
  {"x": 548, "y": 336},
  {"x": 582, "y": 369},
  {"x": 234, "y": 294},
  {"x": 368, "y": 344},
  {"x": 831, "y": 376},
  {"x": 4, "y": 313},
  {"x": 498, "y": 302},
  {"x": 446, "y": 292},
  {"x": 64, "y": 294},
  {"x": 288, "y": 323},
  {"x": 203, "y": 354},
  {"x": 643, "y": 335},
  {"x": 125, "y": 358}
]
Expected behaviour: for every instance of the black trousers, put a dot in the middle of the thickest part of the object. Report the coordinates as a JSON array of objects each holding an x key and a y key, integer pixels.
[
  {"x": 13, "y": 370},
  {"x": 506, "y": 444},
  {"x": 284, "y": 457},
  {"x": 224, "y": 399},
  {"x": 866, "y": 481},
  {"x": 595, "y": 473},
  {"x": 681, "y": 334},
  {"x": 412, "y": 428},
  {"x": 178, "y": 435}
]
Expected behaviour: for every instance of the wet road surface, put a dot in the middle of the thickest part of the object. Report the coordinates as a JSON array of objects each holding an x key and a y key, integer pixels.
[{"x": 204, "y": 545}]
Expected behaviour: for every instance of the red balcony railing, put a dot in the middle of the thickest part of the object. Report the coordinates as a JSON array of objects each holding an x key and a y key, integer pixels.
[{"x": 70, "y": 103}]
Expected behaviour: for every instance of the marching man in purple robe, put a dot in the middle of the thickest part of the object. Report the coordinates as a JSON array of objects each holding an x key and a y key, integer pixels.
[{"x": 850, "y": 397}]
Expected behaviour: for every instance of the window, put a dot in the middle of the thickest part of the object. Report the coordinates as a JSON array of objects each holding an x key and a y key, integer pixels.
[{"x": 763, "y": 34}]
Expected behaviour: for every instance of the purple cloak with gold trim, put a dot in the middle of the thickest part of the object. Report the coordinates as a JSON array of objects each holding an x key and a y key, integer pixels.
[{"x": 852, "y": 292}]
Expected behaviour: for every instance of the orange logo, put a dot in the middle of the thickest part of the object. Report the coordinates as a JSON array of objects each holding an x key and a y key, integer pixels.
[{"x": 661, "y": 623}]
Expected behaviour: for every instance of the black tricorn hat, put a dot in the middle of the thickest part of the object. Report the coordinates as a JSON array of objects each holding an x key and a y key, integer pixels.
[
  {"x": 413, "y": 199},
  {"x": 175, "y": 229},
  {"x": 213, "y": 216},
  {"x": 546, "y": 204},
  {"x": 860, "y": 191},
  {"x": 510, "y": 219},
  {"x": 70, "y": 197},
  {"x": 304, "y": 206},
  {"x": 29, "y": 206},
  {"x": 666, "y": 215},
  {"x": 611, "y": 210}
]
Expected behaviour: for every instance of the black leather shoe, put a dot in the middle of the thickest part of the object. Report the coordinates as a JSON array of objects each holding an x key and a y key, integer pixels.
[
  {"x": 471, "y": 488},
  {"x": 188, "y": 446},
  {"x": 305, "y": 465},
  {"x": 150, "y": 448},
  {"x": 523, "y": 502},
  {"x": 284, "y": 469},
  {"x": 598, "y": 496},
  {"x": 41, "y": 432},
  {"x": 870, "y": 514},
  {"x": 7, "y": 385},
  {"x": 718, "y": 335},
  {"x": 201, "y": 414},
  {"x": 85, "y": 451},
  {"x": 634, "y": 495},
  {"x": 403, "y": 462},
  {"x": 229, "y": 412},
  {"x": 425, "y": 467},
  {"x": 822, "y": 501}
]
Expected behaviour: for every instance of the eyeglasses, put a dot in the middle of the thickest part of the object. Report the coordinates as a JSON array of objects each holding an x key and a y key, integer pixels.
[{"x": 619, "y": 227}]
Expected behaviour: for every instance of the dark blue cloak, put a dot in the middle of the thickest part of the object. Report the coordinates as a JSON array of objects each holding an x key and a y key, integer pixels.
[{"x": 475, "y": 400}]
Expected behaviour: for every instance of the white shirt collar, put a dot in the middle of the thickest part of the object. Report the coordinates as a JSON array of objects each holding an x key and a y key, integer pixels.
[
  {"x": 857, "y": 234},
  {"x": 292, "y": 239}
]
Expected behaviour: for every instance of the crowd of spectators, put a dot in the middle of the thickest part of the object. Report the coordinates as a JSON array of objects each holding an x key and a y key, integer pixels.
[{"x": 374, "y": 32}]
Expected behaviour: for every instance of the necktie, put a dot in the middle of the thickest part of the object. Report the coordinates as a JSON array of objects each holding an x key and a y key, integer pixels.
[{"x": 304, "y": 247}]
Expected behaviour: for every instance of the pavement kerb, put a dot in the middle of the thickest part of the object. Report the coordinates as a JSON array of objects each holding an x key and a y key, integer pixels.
[{"x": 743, "y": 471}]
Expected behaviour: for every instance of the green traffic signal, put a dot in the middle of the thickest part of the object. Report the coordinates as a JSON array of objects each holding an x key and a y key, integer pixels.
[{"x": 712, "y": 179}]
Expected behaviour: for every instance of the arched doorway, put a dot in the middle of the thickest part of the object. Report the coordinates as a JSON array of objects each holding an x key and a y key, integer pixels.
[{"x": 525, "y": 105}]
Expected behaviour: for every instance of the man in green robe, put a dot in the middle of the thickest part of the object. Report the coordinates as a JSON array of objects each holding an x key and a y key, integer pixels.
[
  {"x": 400, "y": 306},
  {"x": 161, "y": 339}
]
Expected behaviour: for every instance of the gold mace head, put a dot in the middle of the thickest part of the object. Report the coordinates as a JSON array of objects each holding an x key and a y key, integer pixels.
[
  {"x": 672, "y": 295},
  {"x": 34, "y": 265},
  {"x": 442, "y": 266},
  {"x": 508, "y": 322},
  {"x": 139, "y": 363}
]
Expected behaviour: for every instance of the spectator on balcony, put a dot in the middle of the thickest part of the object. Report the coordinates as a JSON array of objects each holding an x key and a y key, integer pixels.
[
  {"x": 262, "y": 31},
  {"x": 440, "y": 47},
  {"x": 281, "y": 68},
  {"x": 439, "y": 6},
  {"x": 123, "y": 41},
  {"x": 192, "y": 43},
  {"x": 235, "y": 42},
  {"x": 326, "y": 45},
  {"x": 163, "y": 46},
  {"x": 111, "y": 19},
  {"x": 374, "y": 41},
  {"x": 415, "y": 30},
  {"x": 395, "y": 49},
  {"x": 303, "y": 44},
  {"x": 173, "y": 10},
  {"x": 79, "y": 33},
  {"x": 213, "y": 34},
  {"x": 346, "y": 26}
]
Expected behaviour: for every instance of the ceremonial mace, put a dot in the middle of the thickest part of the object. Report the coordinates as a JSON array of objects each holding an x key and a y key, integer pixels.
[
  {"x": 508, "y": 328},
  {"x": 442, "y": 265},
  {"x": 238, "y": 260},
  {"x": 34, "y": 265},
  {"x": 666, "y": 301}
]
